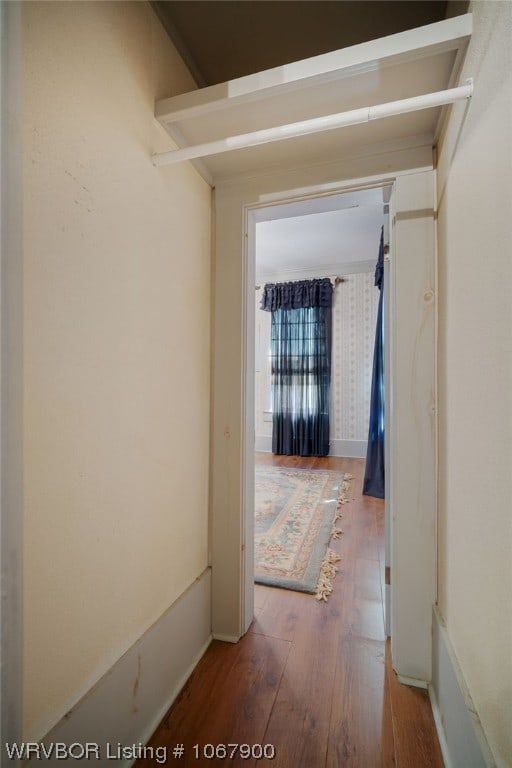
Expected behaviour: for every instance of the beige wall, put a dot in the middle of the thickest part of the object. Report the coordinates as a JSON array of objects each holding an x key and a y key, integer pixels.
[
  {"x": 117, "y": 357},
  {"x": 475, "y": 376}
]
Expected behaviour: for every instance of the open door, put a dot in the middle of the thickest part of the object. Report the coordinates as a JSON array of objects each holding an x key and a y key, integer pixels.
[{"x": 387, "y": 194}]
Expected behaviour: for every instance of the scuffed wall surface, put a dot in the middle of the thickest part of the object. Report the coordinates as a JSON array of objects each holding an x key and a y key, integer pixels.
[{"x": 117, "y": 347}]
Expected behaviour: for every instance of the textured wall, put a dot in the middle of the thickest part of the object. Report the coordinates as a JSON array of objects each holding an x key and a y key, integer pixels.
[
  {"x": 475, "y": 376},
  {"x": 354, "y": 319},
  {"x": 117, "y": 353},
  {"x": 262, "y": 376}
]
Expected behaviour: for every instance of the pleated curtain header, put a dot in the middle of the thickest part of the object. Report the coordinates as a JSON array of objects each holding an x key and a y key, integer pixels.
[{"x": 299, "y": 294}]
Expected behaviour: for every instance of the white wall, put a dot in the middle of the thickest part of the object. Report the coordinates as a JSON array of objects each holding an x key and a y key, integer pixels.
[
  {"x": 117, "y": 353},
  {"x": 354, "y": 318},
  {"x": 475, "y": 376}
]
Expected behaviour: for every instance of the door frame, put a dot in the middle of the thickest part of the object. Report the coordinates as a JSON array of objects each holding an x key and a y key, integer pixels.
[{"x": 411, "y": 505}]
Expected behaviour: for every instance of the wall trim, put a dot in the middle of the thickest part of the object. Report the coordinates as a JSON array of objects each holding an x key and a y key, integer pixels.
[
  {"x": 414, "y": 682},
  {"x": 226, "y": 638},
  {"x": 460, "y": 732},
  {"x": 129, "y": 701},
  {"x": 350, "y": 449}
]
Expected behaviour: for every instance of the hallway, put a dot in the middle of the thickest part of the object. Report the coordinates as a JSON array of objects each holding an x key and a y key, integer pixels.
[
  {"x": 312, "y": 679},
  {"x": 128, "y": 407}
]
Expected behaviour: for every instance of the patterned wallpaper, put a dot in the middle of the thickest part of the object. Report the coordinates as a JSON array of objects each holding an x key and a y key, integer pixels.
[
  {"x": 354, "y": 319},
  {"x": 262, "y": 383},
  {"x": 353, "y": 338}
]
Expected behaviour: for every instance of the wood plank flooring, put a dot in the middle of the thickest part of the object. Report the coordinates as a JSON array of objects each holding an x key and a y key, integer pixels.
[{"x": 313, "y": 679}]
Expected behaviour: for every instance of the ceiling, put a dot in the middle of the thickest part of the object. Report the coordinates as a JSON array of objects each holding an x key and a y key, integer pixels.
[
  {"x": 224, "y": 40},
  {"x": 325, "y": 236}
]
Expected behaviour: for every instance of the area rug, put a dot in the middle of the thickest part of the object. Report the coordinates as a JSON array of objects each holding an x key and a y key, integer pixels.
[{"x": 295, "y": 518}]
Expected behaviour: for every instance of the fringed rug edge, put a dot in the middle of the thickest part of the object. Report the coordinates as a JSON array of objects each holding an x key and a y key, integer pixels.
[{"x": 329, "y": 568}]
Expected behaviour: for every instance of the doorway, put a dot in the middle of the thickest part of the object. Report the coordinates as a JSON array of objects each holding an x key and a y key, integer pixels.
[
  {"x": 411, "y": 418},
  {"x": 337, "y": 237}
]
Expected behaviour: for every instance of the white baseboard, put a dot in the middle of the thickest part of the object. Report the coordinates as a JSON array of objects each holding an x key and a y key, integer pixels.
[
  {"x": 226, "y": 638},
  {"x": 414, "y": 682},
  {"x": 387, "y": 610},
  {"x": 460, "y": 733},
  {"x": 351, "y": 449},
  {"x": 128, "y": 703}
]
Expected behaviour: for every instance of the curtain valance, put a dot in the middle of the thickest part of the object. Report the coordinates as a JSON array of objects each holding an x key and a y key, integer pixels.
[{"x": 300, "y": 294}]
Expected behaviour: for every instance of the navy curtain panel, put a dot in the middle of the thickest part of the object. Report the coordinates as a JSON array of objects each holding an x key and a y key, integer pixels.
[
  {"x": 374, "y": 473},
  {"x": 300, "y": 365}
]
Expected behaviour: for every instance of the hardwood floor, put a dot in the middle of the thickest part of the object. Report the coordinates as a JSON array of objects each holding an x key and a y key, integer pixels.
[{"x": 312, "y": 679}]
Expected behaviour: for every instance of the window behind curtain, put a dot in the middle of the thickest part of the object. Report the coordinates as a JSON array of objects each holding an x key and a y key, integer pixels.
[{"x": 300, "y": 366}]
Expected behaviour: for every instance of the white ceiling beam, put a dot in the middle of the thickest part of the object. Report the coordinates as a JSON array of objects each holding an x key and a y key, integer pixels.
[
  {"x": 413, "y": 44},
  {"x": 177, "y": 136},
  {"x": 315, "y": 125}
]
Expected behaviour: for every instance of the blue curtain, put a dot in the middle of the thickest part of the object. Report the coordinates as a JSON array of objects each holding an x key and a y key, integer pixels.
[
  {"x": 374, "y": 474},
  {"x": 301, "y": 365}
]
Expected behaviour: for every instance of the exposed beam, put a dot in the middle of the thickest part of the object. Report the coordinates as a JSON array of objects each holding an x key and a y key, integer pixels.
[{"x": 315, "y": 125}]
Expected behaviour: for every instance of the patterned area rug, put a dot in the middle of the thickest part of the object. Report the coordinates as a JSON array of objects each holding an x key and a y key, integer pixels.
[{"x": 295, "y": 518}]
